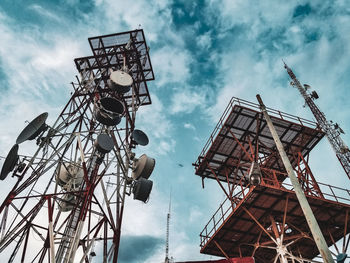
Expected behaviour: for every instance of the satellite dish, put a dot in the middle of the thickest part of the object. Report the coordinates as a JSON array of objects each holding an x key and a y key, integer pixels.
[
  {"x": 109, "y": 111},
  {"x": 104, "y": 143},
  {"x": 120, "y": 81},
  {"x": 68, "y": 202},
  {"x": 306, "y": 86},
  {"x": 10, "y": 162},
  {"x": 314, "y": 95},
  {"x": 143, "y": 167},
  {"x": 139, "y": 137},
  {"x": 142, "y": 189},
  {"x": 33, "y": 129}
]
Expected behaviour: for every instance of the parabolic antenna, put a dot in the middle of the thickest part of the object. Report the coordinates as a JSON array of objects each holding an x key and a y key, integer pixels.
[
  {"x": 139, "y": 137},
  {"x": 68, "y": 203},
  {"x": 143, "y": 167},
  {"x": 69, "y": 175},
  {"x": 10, "y": 162},
  {"x": 109, "y": 111},
  {"x": 306, "y": 86},
  {"x": 104, "y": 143},
  {"x": 120, "y": 81},
  {"x": 33, "y": 129},
  {"x": 142, "y": 189}
]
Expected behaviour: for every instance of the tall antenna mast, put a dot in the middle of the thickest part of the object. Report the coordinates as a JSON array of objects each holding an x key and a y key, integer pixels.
[
  {"x": 331, "y": 130},
  {"x": 167, "y": 233}
]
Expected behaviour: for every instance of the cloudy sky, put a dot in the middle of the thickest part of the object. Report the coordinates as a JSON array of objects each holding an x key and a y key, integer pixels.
[{"x": 203, "y": 53}]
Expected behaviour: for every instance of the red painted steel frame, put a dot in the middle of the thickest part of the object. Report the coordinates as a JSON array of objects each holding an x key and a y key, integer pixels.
[{"x": 266, "y": 221}]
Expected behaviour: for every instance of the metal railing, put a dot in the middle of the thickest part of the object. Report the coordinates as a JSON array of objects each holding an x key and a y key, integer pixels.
[
  {"x": 272, "y": 112},
  {"x": 226, "y": 208}
]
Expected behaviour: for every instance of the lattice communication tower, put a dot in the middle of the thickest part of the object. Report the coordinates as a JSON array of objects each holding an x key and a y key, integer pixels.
[
  {"x": 331, "y": 130},
  {"x": 68, "y": 201}
]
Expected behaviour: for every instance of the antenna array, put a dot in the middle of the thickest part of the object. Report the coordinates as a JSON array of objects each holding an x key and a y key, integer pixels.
[
  {"x": 60, "y": 198},
  {"x": 332, "y": 131}
]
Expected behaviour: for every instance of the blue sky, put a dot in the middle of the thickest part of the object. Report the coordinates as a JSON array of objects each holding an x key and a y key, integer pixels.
[{"x": 203, "y": 53}]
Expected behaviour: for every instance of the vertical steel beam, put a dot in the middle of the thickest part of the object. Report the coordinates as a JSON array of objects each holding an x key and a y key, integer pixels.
[
  {"x": 51, "y": 236},
  {"x": 310, "y": 218}
]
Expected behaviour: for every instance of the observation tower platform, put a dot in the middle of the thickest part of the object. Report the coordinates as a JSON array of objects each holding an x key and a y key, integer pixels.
[{"x": 265, "y": 221}]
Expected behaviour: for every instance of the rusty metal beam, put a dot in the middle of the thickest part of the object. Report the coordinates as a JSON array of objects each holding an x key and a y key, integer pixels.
[{"x": 220, "y": 248}]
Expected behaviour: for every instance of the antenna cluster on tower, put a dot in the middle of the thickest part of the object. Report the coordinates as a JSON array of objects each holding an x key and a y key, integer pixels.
[
  {"x": 331, "y": 130},
  {"x": 60, "y": 196}
]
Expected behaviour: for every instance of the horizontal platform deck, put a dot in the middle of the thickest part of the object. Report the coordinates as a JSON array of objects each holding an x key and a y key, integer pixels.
[
  {"x": 241, "y": 128},
  {"x": 237, "y": 232}
]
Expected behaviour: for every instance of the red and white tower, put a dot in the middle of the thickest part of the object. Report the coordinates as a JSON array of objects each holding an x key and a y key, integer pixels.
[{"x": 67, "y": 204}]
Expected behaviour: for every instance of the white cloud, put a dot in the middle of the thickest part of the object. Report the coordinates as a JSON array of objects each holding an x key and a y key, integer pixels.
[
  {"x": 57, "y": 57},
  {"x": 154, "y": 121},
  {"x": 204, "y": 41},
  {"x": 254, "y": 15},
  {"x": 138, "y": 215},
  {"x": 171, "y": 64},
  {"x": 185, "y": 101},
  {"x": 195, "y": 214},
  {"x": 124, "y": 15},
  {"x": 44, "y": 12},
  {"x": 35, "y": 66},
  {"x": 189, "y": 126}
]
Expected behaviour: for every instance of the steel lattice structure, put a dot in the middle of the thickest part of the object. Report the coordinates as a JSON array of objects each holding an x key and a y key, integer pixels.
[
  {"x": 34, "y": 225},
  {"x": 265, "y": 221},
  {"x": 333, "y": 135}
]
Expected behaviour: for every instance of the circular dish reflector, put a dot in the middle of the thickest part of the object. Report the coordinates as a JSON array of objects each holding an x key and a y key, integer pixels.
[
  {"x": 10, "y": 162},
  {"x": 139, "y": 137},
  {"x": 109, "y": 111},
  {"x": 143, "y": 167},
  {"x": 33, "y": 129},
  {"x": 104, "y": 143}
]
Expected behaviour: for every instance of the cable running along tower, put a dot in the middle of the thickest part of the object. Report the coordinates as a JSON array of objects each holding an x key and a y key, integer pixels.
[
  {"x": 332, "y": 131},
  {"x": 68, "y": 201}
]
